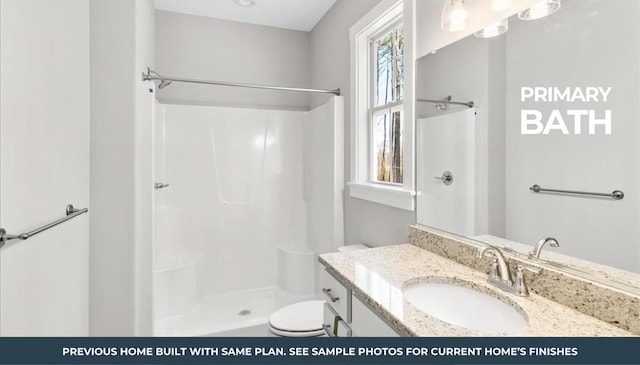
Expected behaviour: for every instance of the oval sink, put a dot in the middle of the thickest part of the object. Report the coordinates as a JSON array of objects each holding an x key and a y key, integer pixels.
[{"x": 466, "y": 308}]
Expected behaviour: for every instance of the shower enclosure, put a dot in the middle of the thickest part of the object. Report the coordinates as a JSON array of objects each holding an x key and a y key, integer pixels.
[{"x": 245, "y": 199}]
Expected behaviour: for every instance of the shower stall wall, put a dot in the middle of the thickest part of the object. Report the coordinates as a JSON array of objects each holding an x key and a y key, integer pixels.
[{"x": 245, "y": 200}]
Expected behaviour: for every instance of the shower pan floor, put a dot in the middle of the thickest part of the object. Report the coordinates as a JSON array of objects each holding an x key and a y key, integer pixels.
[{"x": 229, "y": 311}]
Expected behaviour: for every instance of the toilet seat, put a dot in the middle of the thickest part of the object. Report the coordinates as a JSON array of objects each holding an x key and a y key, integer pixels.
[
  {"x": 280, "y": 333},
  {"x": 302, "y": 319}
]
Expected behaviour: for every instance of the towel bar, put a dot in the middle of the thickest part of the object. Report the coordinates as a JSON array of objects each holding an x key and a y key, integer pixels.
[{"x": 71, "y": 213}]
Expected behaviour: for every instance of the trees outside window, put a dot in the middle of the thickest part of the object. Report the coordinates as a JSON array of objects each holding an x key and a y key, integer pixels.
[{"x": 386, "y": 111}]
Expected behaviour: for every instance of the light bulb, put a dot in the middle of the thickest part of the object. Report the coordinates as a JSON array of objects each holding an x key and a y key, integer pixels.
[
  {"x": 458, "y": 14},
  {"x": 500, "y": 5},
  {"x": 540, "y": 10}
]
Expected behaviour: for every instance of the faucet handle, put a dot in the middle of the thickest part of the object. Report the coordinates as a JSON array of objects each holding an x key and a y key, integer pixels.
[
  {"x": 520, "y": 285},
  {"x": 493, "y": 273}
]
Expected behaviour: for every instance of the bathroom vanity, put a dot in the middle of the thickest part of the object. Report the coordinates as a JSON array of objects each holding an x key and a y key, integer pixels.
[
  {"x": 386, "y": 292},
  {"x": 345, "y": 315}
]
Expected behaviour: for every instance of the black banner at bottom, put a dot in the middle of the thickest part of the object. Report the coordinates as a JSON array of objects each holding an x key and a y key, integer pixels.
[{"x": 303, "y": 351}]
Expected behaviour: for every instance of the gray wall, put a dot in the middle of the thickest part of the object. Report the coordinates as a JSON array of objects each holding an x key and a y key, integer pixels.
[
  {"x": 205, "y": 48},
  {"x": 587, "y": 43},
  {"x": 119, "y": 295},
  {"x": 365, "y": 222},
  {"x": 572, "y": 48}
]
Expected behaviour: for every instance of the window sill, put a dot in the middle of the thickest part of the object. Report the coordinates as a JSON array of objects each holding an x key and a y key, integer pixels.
[{"x": 393, "y": 196}]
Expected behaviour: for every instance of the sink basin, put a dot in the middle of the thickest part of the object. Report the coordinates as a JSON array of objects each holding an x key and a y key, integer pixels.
[{"x": 466, "y": 308}]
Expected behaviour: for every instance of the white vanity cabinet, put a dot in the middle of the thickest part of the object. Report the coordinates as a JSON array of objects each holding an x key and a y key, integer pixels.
[
  {"x": 337, "y": 309},
  {"x": 336, "y": 295},
  {"x": 346, "y": 316},
  {"x": 365, "y": 323}
]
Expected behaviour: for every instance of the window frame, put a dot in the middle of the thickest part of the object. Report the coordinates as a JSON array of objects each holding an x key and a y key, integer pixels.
[{"x": 381, "y": 19}]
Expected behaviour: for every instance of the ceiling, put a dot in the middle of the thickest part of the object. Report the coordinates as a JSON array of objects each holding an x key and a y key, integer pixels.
[{"x": 290, "y": 14}]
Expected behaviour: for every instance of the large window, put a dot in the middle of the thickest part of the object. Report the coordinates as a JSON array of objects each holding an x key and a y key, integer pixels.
[
  {"x": 387, "y": 81},
  {"x": 382, "y": 106}
]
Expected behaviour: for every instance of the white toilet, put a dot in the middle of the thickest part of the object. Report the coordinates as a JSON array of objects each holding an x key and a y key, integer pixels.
[{"x": 303, "y": 319}]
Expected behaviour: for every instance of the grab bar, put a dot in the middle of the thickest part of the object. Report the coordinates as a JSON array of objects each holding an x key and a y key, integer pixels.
[
  {"x": 616, "y": 194},
  {"x": 71, "y": 213}
]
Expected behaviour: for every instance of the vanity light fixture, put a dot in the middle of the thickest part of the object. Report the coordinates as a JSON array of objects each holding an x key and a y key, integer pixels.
[
  {"x": 454, "y": 16},
  {"x": 540, "y": 10},
  {"x": 500, "y": 5},
  {"x": 494, "y": 29},
  {"x": 246, "y": 3}
]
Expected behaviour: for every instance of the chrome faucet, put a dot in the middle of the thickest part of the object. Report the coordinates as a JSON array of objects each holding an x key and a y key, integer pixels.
[
  {"x": 499, "y": 267},
  {"x": 500, "y": 275},
  {"x": 535, "y": 253}
]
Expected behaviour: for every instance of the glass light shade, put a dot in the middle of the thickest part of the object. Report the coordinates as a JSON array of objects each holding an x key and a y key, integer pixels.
[
  {"x": 540, "y": 10},
  {"x": 500, "y": 5},
  {"x": 454, "y": 16},
  {"x": 246, "y": 3},
  {"x": 493, "y": 30}
]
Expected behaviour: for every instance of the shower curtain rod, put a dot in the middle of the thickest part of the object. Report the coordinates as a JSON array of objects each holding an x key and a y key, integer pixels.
[
  {"x": 166, "y": 81},
  {"x": 448, "y": 100}
]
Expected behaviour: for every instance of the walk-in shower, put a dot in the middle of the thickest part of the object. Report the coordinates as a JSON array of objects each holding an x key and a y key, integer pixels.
[{"x": 246, "y": 199}]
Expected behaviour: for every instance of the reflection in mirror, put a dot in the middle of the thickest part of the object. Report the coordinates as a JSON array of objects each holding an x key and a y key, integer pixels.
[
  {"x": 556, "y": 106},
  {"x": 446, "y": 198}
]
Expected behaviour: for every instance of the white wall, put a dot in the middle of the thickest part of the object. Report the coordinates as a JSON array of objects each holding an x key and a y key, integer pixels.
[
  {"x": 446, "y": 142},
  {"x": 144, "y": 178},
  {"x": 44, "y": 159},
  {"x": 324, "y": 176},
  {"x": 496, "y": 179},
  {"x": 365, "y": 222},
  {"x": 213, "y": 49},
  {"x": 470, "y": 70},
  {"x": 121, "y": 156},
  {"x": 591, "y": 43}
]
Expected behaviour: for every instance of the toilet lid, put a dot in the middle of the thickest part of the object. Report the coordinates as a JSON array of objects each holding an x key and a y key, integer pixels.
[{"x": 299, "y": 317}]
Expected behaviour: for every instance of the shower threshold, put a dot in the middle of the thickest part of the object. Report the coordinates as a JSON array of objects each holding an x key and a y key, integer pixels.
[{"x": 228, "y": 312}]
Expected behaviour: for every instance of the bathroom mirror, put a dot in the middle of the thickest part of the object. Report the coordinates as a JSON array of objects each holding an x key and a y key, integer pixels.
[{"x": 556, "y": 107}]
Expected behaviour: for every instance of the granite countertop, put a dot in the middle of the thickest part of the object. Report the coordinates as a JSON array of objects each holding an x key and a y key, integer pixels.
[
  {"x": 626, "y": 278},
  {"x": 377, "y": 276}
]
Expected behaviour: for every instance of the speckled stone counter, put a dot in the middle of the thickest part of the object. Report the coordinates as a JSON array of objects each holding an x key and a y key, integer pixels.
[
  {"x": 610, "y": 304},
  {"x": 378, "y": 276},
  {"x": 628, "y": 279}
]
